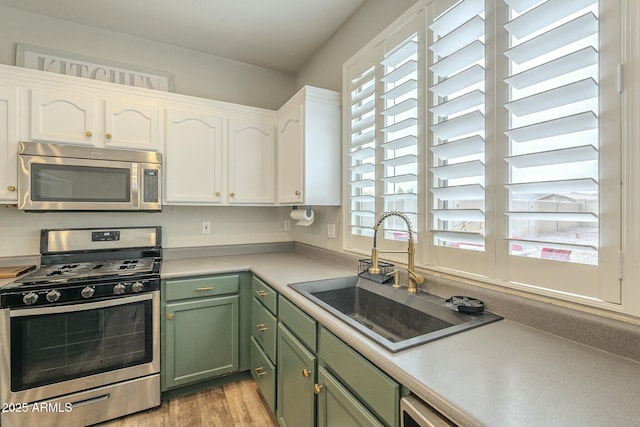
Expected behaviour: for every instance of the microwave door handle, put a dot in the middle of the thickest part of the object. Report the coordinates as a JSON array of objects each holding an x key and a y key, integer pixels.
[{"x": 135, "y": 185}]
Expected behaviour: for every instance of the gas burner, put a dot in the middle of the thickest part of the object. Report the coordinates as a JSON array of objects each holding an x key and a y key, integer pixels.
[{"x": 77, "y": 266}]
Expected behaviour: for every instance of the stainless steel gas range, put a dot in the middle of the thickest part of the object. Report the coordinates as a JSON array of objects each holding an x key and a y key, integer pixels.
[{"x": 79, "y": 338}]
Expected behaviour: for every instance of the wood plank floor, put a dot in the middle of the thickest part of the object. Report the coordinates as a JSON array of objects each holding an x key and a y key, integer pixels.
[{"x": 229, "y": 405}]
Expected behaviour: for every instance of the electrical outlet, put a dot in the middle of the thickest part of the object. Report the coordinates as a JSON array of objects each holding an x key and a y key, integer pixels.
[
  {"x": 287, "y": 225},
  {"x": 206, "y": 227},
  {"x": 331, "y": 231}
]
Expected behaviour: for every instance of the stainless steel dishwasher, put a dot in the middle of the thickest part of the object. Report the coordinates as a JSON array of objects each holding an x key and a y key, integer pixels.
[{"x": 415, "y": 413}]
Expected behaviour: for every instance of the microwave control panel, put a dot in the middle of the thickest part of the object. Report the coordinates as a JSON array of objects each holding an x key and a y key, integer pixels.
[{"x": 151, "y": 187}]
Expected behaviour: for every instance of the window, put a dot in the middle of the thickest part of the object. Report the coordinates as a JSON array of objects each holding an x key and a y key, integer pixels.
[{"x": 495, "y": 124}]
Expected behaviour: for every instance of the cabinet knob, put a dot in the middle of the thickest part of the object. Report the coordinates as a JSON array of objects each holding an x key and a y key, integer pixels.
[
  {"x": 306, "y": 373},
  {"x": 232, "y": 194},
  {"x": 88, "y": 133},
  {"x": 11, "y": 188},
  {"x": 217, "y": 194},
  {"x": 317, "y": 388},
  {"x": 260, "y": 371},
  {"x": 170, "y": 316},
  {"x": 261, "y": 327},
  {"x": 108, "y": 135},
  {"x": 297, "y": 193}
]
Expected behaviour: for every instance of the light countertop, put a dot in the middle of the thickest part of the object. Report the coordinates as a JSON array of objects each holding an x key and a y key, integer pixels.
[{"x": 499, "y": 375}]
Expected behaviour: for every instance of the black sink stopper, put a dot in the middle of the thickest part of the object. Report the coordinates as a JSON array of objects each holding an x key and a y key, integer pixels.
[{"x": 465, "y": 304}]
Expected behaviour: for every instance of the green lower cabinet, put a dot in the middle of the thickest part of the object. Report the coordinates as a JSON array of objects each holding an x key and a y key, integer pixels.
[
  {"x": 264, "y": 373},
  {"x": 338, "y": 407},
  {"x": 296, "y": 368},
  {"x": 201, "y": 340}
]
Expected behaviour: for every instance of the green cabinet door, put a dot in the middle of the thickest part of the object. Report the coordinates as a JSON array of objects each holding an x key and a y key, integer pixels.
[
  {"x": 296, "y": 369},
  {"x": 201, "y": 340},
  {"x": 338, "y": 407}
]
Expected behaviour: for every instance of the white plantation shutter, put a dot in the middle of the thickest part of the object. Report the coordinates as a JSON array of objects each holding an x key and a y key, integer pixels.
[
  {"x": 457, "y": 123},
  {"x": 362, "y": 148},
  {"x": 399, "y": 136},
  {"x": 513, "y": 108},
  {"x": 553, "y": 129}
]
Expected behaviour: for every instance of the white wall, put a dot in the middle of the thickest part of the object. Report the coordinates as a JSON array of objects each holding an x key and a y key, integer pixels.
[
  {"x": 182, "y": 226},
  {"x": 195, "y": 73},
  {"x": 324, "y": 69}
]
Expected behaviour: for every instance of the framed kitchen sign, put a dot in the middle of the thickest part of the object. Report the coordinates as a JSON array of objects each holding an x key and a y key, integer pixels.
[{"x": 60, "y": 62}]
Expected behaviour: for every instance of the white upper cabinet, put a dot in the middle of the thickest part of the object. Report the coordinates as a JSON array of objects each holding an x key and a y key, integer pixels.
[
  {"x": 131, "y": 125},
  {"x": 66, "y": 117},
  {"x": 193, "y": 157},
  {"x": 251, "y": 144},
  {"x": 58, "y": 116},
  {"x": 8, "y": 144},
  {"x": 308, "y": 154}
]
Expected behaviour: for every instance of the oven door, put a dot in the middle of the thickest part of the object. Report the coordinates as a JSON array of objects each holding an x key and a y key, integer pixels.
[
  {"x": 60, "y": 183},
  {"x": 53, "y": 351}
]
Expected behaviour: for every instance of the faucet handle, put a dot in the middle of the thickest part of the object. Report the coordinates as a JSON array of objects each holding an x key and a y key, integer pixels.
[{"x": 396, "y": 277}]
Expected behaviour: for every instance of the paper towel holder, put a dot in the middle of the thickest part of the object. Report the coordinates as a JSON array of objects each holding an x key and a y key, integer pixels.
[
  {"x": 303, "y": 219},
  {"x": 307, "y": 209}
]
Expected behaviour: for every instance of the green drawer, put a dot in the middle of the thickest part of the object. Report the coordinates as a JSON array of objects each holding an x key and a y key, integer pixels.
[
  {"x": 264, "y": 373},
  {"x": 372, "y": 386},
  {"x": 298, "y": 322},
  {"x": 197, "y": 287},
  {"x": 263, "y": 328},
  {"x": 265, "y": 294}
]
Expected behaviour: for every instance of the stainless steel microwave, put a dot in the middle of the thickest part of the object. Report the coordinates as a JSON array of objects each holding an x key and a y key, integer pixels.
[{"x": 59, "y": 177}]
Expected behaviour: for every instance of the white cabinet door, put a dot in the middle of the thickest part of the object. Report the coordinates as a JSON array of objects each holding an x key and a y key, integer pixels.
[
  {"x": 64, "y": 117},
  {"x": 193, "y": 158},
  {"x": 309, "y": 148},
  {"x": 290, "y": 155},
  {"x": 131, "y": 125},
  {"x": 251, "y": 145},
  {"x": 8, "y": 144}
]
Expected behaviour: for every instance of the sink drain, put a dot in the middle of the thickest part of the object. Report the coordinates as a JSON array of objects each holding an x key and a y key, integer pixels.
[{"x": 465, "y": 304}]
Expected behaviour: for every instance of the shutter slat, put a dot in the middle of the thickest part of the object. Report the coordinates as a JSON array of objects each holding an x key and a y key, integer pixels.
[
  {"x": 553, "y": 245},
  {"x": 471, "y": 215},
  {"x": 401, "y": 107},
  {"x": 402, "y": 160},
  {"x": 456, "y": 39},
  {"x": 399, "y": 179},
  {"x": 362, "y": 124},
  {"x": 581, "y": 153},
  {"x": 461, "y": 12},
  {"x": 459, "y": 237},
  {"x": 552, "y": 69},
  {"x": 459, "y": 60},
  {"x": 401, "y": 125},
  {"x": 577, "y": 29},
  {"x": 459, "y": 192},
  {"x": 459, "y": 170},
  {"x": 401, "y": 72},
  {"x": 554, "y": 216},
  {"x": 586, "y": 185},
  {"x": 400, "y": 54},
  {"x": 399, "y": 143},
  {"x": 363, "y": 139},
  {"x": 403, "y": 89},
  {"x": 561, "y": 126},
  {"x": 464, "y": 79},
  {"x": 362, "y": 154},
  {"x": 363, "y": 183},
  {"x": 459, "y": 148},
  {"x": 461, "y": 125},
  {"x": 362, "y": 93},
  {"x": 469, "y": 100},
  {"x": 563, "y": 95},
  {"x": 363, "y": 168},
  {"x": 544, "y": 15}
]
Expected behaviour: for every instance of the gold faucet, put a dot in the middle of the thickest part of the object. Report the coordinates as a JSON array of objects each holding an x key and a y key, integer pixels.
[{"x": 414, "y": 279}]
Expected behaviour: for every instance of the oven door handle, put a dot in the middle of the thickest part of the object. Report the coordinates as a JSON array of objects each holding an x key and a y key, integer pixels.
[{"x": 83, "y": 306}]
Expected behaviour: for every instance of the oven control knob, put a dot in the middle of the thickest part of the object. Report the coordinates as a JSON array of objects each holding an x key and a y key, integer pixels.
[
  {"x": 87, "y": 292},
  {"x": 30, "y": 298},
  {"x": 53, "y": 296},
  {"x": 119, "y": 289},
  {"x": 137, "y": 287}
]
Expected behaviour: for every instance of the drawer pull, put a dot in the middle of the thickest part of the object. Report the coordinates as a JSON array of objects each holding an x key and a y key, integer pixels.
[
  {"x": 209, "y": 288},
  {"x": 261, "y": 293},
  {"x": 261, "y": 327},
  {"x": 317, "y": 388},
  {"x": 306, "y": 373},
  {"x": 260, "y": 371}
]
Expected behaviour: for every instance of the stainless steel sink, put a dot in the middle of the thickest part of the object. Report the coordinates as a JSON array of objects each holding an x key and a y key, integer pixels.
[{"x": 391, "y": 317}]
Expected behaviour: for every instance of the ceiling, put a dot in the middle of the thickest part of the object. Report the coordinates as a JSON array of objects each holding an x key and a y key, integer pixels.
[{"x": 277, "y": 34}]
